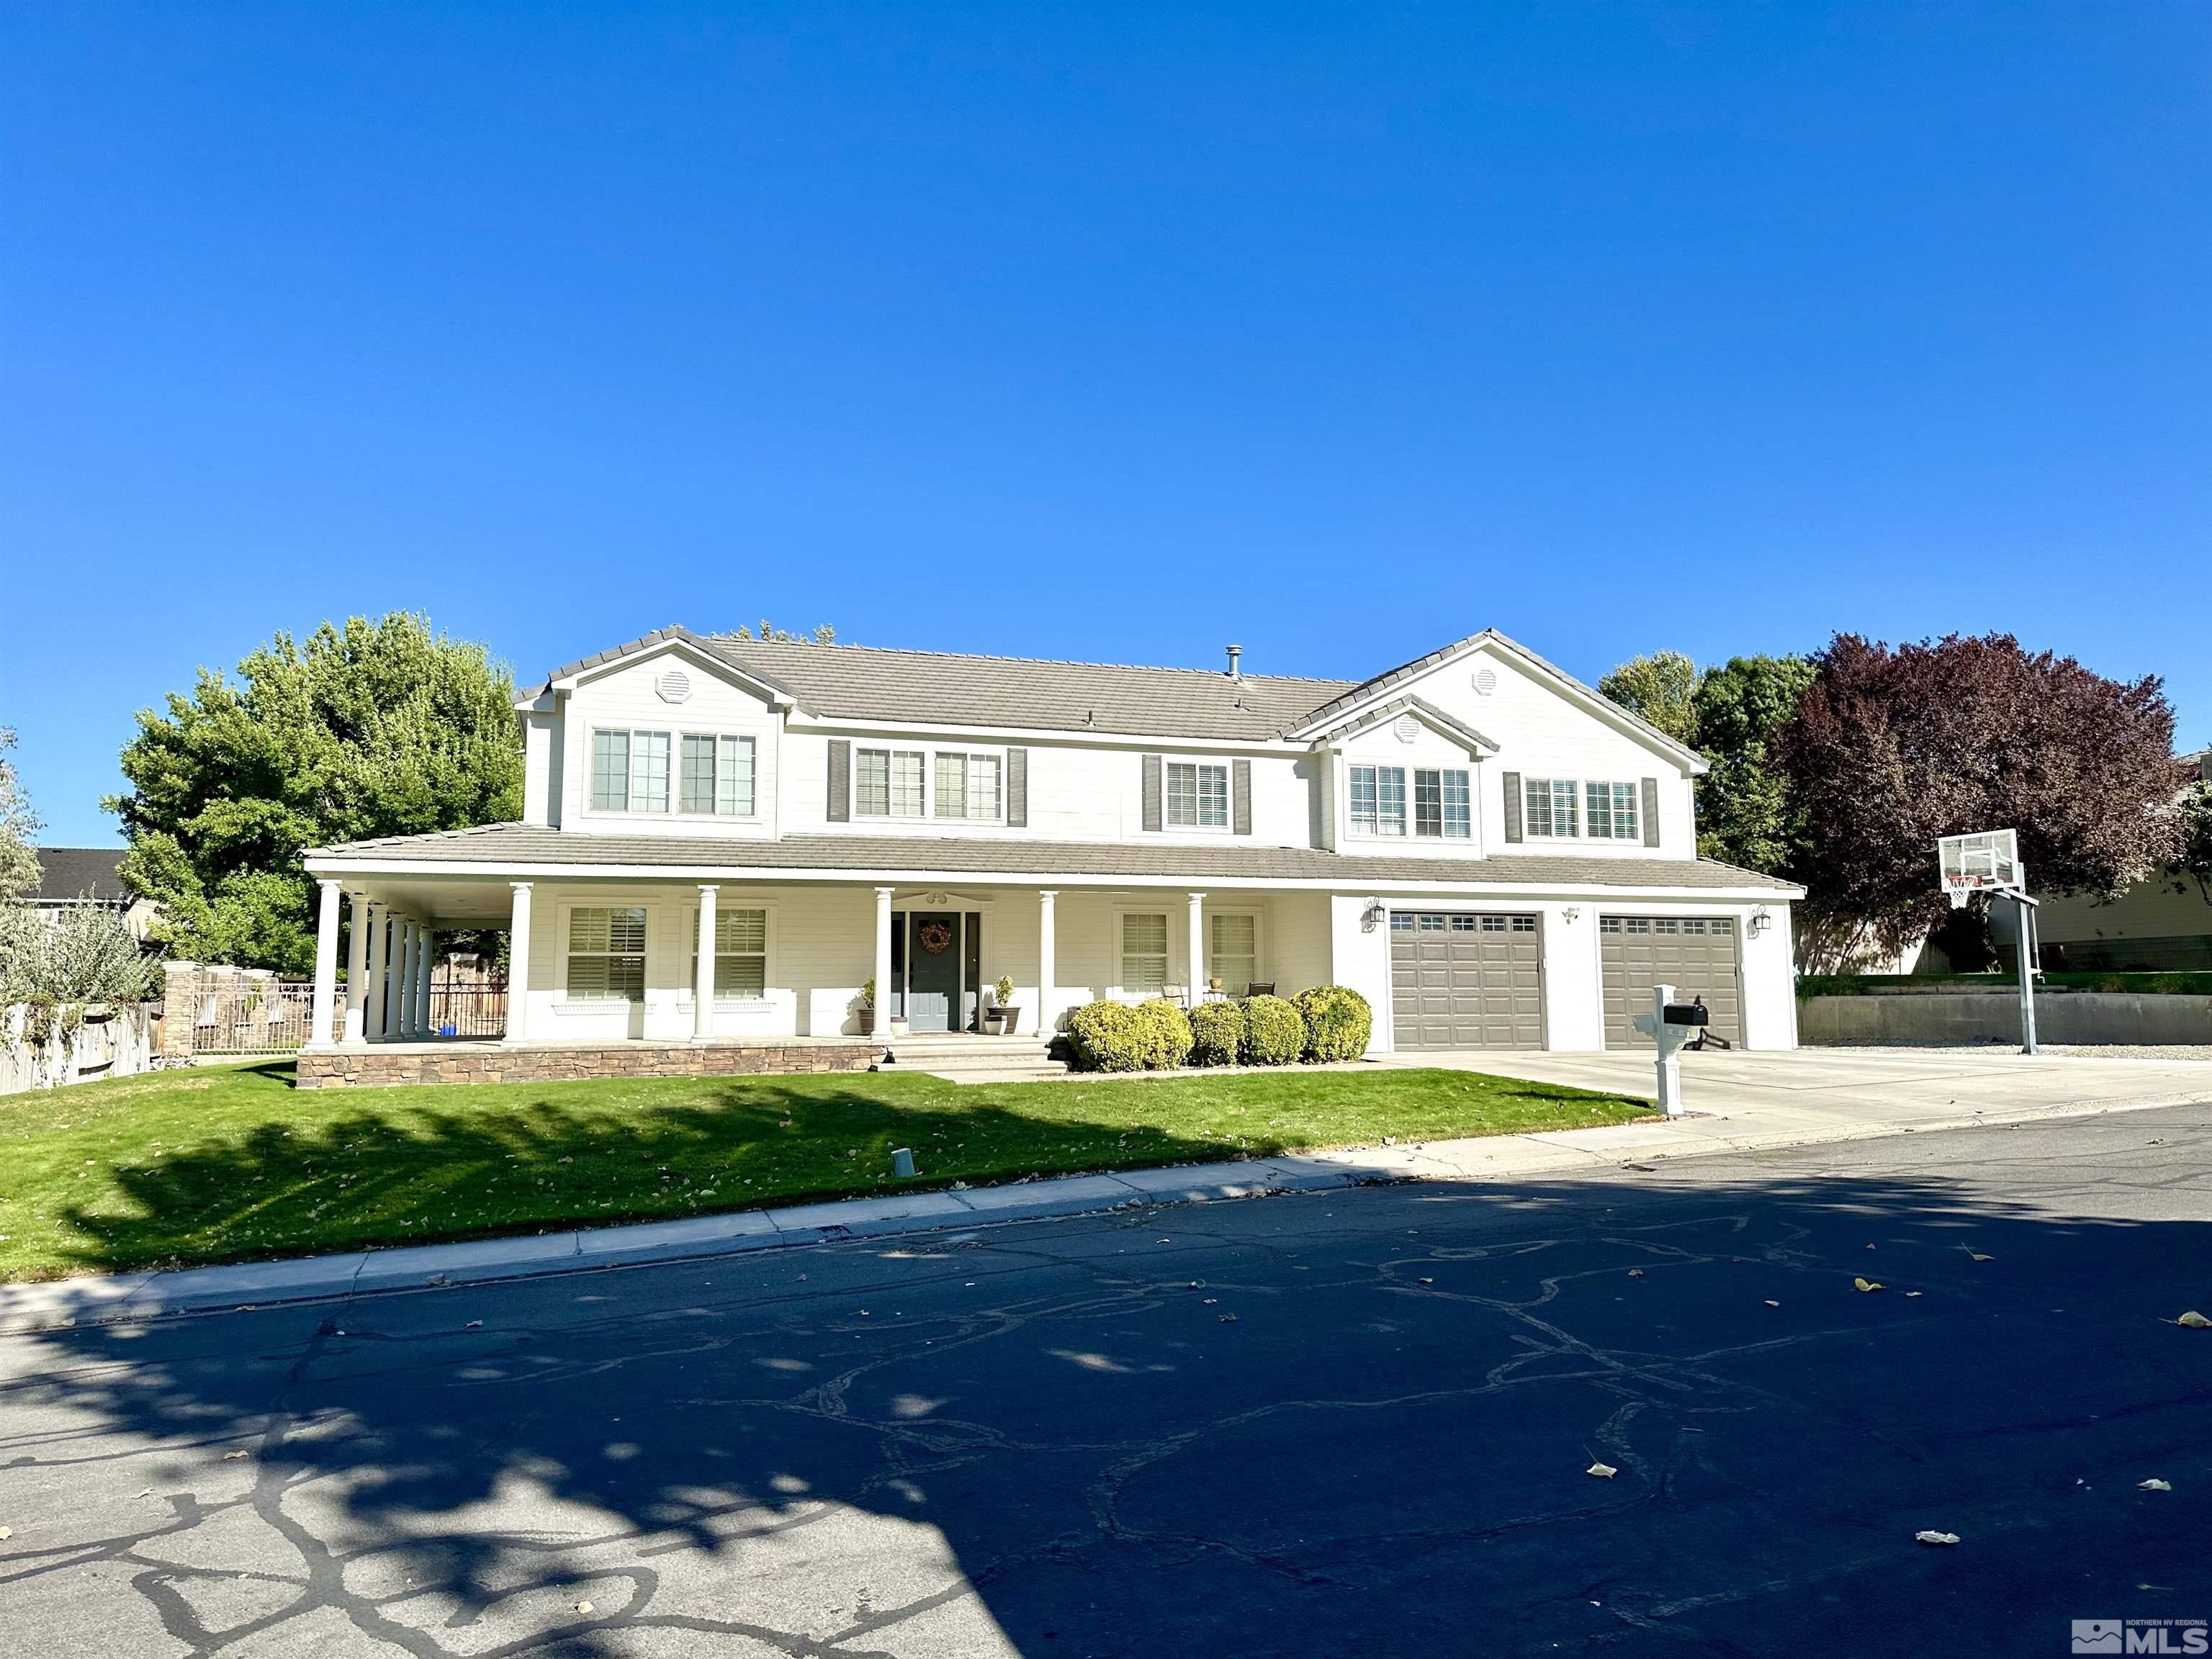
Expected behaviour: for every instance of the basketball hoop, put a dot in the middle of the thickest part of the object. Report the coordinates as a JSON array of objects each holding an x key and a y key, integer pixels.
[{"x": 1984, "y": 863}]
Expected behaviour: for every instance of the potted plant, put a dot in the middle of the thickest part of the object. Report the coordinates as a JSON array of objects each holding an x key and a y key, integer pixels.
[
  {"x": 1000, "y": 1018},
  {"x": 864, "y": 1007},
  {"x": 1215, "y": 985}
]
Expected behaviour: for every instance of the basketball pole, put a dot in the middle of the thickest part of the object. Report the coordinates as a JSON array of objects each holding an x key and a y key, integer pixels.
[{"x": 2026, "y": 908}]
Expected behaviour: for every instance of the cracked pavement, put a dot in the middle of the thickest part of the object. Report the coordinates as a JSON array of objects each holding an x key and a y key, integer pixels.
[{"x": 1347, "y": 1423}]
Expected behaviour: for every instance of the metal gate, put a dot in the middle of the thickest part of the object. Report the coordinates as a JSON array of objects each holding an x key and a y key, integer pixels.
[
  {"x": 1694, "y": 954},
  {"x": 1466, "y": 980},
  {"x": 253, "y": 1016}
]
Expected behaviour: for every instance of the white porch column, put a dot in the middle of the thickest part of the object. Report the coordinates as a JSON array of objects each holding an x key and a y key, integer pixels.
[
  {"x": 373, "y": 983},
  {"x": 702, "y": 968},
  {"x": 1197, "y": 969},
  {"x": 882, "y": 962},
  {"x": 426, "y": 961},
  {"x": 326, "y": 966},
  {"x": 1048, "y": 1018},
  {"x": 356, "y": 1006},
  {"x": 402, "y": 986},
  {"x": 518, "y": 966}
]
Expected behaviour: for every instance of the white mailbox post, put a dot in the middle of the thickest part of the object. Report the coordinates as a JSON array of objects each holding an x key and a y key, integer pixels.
[{"x": 1670, "y": 1024}]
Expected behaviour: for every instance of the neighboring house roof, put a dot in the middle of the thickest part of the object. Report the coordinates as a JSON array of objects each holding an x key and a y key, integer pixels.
[
  {"x": 507, "y": 844},
  {"x": 70, "y": 874}
]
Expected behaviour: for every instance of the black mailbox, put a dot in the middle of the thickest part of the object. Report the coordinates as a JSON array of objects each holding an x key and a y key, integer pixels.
[{"x": 1687, "y": 1013}]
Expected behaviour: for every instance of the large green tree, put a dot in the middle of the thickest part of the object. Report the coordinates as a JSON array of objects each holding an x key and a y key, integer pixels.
[
  {"x": 18, "y": 861},
  {"x": 379, "y": 727},
  {"x": 1662, "y": 688}
]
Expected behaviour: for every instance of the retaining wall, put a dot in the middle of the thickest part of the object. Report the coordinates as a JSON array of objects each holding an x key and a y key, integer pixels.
[
  {"x": 377, "y": 1068},
  {"x": 2083, "y": 1017}
]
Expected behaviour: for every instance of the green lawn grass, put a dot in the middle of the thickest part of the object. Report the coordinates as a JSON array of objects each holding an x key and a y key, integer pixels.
[{"x": 231, "y": 1164}]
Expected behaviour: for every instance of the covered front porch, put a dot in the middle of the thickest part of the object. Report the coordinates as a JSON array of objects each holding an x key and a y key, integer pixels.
[{"x": 605, "y": 961}]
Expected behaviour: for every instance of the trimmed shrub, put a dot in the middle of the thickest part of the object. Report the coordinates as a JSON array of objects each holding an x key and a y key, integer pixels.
[
  {"x": 1109, "y": 1036},
  {"x": 1217, "y": 1033},
  {"x": 1338, "y": 1020},
  {"x": 1273, "y": 1033},
  {"x": 1169, "y": 1030}
]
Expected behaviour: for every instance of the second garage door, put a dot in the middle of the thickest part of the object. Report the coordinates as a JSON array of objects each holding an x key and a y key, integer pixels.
[
  {"x": 1696, "y": 954},
  {"x": 1461, "y": 980}
]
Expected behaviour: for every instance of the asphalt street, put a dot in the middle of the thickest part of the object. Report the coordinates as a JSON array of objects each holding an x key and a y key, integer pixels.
[{"x": 1352, "y": 1423}]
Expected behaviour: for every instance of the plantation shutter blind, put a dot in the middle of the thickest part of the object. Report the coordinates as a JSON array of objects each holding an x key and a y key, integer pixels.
[
  {"x": 1017, "y": 789},
  {"x": 1651, "y": 811},
  {"x": 1151, "y": 771},
  {"x": 1512, "y": 806},
  {"x": 1240, "y": 785},
  {"x": 841, "y": 780}
]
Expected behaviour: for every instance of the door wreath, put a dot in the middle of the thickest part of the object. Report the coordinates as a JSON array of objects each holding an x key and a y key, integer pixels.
[{"x": 934, "y": 937}]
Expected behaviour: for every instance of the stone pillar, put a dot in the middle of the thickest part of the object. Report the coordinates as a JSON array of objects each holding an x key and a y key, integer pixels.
[
  {"x": 1197, "y": 969},
  {"x": 326, "y": 967},
  {"x": 882, "y": 962},
  {"x": 180, "y": 1006},
  {"x": 380, "y": 944},
  {"x": 426, "y": 967},
  {"x": 356, "y": 997},
  {"x": 1047, "y": 1016},
  {"x": 518, "y": 966},
  {"x": 702, "y": 983}
]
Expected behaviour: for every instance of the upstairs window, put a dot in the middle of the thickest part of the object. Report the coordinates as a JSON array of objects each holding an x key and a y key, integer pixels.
[
  {"x": 1198, "y": 796},
  {"x": 1440, "y": 804},
  {"x": 1613, "y": 812},
  {"x": 1378, "y": 800},
  {"x": 717, "y": 775},
  {"x": 968, "y": 786},
  {"x": 1552, "y": 807},
  {"x": 630, "y": 771},
  {"x": 887, "y": 783},
  {"x": 606, "y": 954}
]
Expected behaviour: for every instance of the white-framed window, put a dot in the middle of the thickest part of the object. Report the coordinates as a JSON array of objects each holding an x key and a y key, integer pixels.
[
  {"x": 1552, "y": 807},
  {"x": 1198, "y": 795},
  {"x": 630, "y": 771},
  {"x": 887, "y": 783},
  {"x": 606, "y": 953},
  {"x": 1441, "y": 804},
  {"x": 1143, "y": 953},
  {"x": 740, "y": 952},
  {"x": 1232, "y": 953},
  {"x": 969, "y": 787},
  {"x": 1378, "y": 800},
  {"x": 717, "y": 775},
  {"x": 1613, "y": 812}
]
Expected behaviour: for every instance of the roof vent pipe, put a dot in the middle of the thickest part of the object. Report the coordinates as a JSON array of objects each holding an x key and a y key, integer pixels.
[{"x": 1235, "y": 652}]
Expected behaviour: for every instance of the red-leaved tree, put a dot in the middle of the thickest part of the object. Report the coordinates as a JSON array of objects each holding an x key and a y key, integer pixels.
[{"x": 1891, "y": 748}]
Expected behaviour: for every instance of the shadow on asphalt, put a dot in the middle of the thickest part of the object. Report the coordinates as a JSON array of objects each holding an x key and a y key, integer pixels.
[{"x": 1365, "y": 1432}]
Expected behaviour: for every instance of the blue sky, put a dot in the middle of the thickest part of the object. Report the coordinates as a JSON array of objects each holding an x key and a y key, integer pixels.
[{"x": 1111, "y": 332}]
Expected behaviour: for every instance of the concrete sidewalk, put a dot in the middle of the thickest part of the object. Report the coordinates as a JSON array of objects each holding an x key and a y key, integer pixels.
[{"x": 1741, "y": 1102}]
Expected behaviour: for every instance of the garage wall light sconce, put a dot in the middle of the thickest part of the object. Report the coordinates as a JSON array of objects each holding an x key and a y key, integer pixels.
[
  {"x": 1761, "y": 920},
  {"x": 1374, "y": 916},
  {"x": 1572, "y": 913}
]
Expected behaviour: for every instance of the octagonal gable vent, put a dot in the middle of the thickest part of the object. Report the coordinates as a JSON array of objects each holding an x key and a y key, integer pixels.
[
  {"x": 1486, "y": 681},
  {"x": 1406, "y": 728},
  {"x": 674, "y": 686}
]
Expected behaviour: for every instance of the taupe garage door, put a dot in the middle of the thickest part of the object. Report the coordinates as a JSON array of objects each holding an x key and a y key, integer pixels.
[
  {"x": 1696, "y": 954},
  {"x": 1466, "y": 980}
]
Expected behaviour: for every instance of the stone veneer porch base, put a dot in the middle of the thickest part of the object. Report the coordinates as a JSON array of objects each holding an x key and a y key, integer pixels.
[{"x": 491, "y": 1062}]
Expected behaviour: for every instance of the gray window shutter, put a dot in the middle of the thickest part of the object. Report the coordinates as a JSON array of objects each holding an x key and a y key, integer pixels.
[
  {"x": 1651, "y": 811},
  {"x": 1240, "y": 796},
  {"x": 1152, "y": 817},
  {"x": 1017, "y": 789},
  {"x": 1512, "y": 806},
  {"x": 841, "y": 780}
]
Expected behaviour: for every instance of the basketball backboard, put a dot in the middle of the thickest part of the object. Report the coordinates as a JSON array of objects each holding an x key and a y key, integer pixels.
[{"x": 1986, "y": 862}]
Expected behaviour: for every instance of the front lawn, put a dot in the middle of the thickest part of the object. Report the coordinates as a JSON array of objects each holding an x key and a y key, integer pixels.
[{"x": 231, "y": 1163}]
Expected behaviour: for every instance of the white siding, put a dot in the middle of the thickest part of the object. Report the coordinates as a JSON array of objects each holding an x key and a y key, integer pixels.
[{"x": 624, "y": 699}]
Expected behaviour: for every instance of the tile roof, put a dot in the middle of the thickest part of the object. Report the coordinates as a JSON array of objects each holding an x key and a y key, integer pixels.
[
  {"x": 504, "y": 844},
  {"x": 76, "y": 872}
]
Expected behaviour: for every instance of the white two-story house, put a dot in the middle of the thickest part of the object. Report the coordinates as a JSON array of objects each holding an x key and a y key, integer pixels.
[{"x": 730, "y": 842}]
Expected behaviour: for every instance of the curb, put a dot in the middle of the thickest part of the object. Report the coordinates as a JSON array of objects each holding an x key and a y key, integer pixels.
[{"x": 106, "y": 1299}]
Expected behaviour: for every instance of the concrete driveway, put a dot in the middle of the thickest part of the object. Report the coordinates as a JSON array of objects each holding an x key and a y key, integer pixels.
[{"x": 1826, "y": 1089}]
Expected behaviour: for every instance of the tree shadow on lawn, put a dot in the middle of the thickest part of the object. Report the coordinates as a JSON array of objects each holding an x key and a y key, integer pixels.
[{"x": 1346, "y": 1423}]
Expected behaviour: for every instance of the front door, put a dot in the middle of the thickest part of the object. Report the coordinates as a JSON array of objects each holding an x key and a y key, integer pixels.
[{"x": 932, "y": 969}]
